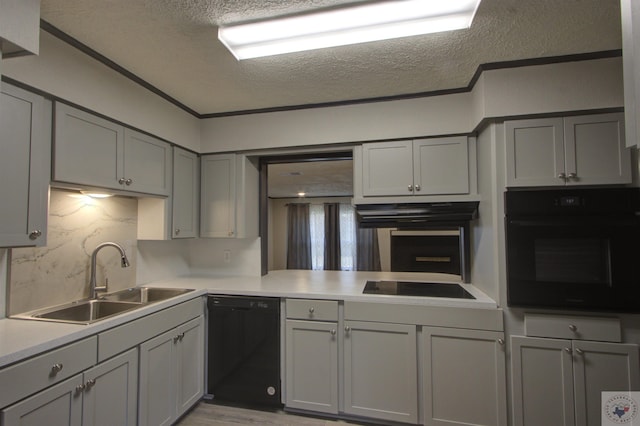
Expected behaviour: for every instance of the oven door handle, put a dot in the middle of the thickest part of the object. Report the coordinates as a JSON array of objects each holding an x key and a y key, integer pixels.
[{"x": 574, "y": 222}]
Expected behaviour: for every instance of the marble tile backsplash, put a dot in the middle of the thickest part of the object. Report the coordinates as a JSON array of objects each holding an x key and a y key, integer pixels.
[{"x": 59, "y": 272}]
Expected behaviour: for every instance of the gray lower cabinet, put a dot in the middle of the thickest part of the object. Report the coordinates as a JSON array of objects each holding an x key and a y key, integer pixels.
[
  {"x": 380, "y": 371},
  {"x": 103, "y": 395},
  {"x": 559, "y": 382},
  {"x": 25, "y": 164},
  {"x": 464, "y": 377},
  {"x": 312, "y": 365},
  {"x": 110, "y": 391},
  {"x": 171, "y": 373},
  {"x": 57, "y": 405}
]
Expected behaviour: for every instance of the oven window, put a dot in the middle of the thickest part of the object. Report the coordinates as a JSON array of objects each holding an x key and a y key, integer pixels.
[{"x": 573, "y": 260}]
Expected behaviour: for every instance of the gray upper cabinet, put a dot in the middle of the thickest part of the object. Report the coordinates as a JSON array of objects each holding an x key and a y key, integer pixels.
[
  {"x": 25, "y": 136},
  {"x": 434, "y": 166},
  {"x": 630, "y": 13},
  {"x": 186, "y": 193},
  {"x": 218, "y": 198},
  {"x": 147, "y": 164},
  {"x": 91, "y": 151},
  {"x": 580, "y": 150}
]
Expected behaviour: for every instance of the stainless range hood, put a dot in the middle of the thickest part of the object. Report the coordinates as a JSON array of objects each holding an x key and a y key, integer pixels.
[{"x": 416, "y": 215}]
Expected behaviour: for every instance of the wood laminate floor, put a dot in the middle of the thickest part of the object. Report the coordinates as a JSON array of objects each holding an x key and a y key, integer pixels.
[{"x": 205, "y": 414}]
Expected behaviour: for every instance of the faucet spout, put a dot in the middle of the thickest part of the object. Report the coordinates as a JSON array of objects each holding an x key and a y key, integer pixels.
[{"x": 124, "y": 262}]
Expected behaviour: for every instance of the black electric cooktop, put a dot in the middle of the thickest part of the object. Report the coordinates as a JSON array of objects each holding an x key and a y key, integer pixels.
[{"x": 406, "y": 288}]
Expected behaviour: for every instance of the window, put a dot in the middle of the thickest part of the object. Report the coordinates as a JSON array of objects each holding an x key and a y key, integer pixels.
[{"x": 347, "y": 236}]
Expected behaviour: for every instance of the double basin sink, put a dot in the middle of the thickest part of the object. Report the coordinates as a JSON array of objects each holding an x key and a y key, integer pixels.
[{"x": 105, "y": 306}]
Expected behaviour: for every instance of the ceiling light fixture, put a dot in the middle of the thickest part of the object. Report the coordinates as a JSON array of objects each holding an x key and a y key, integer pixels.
[{"x": 349, "y": 25}]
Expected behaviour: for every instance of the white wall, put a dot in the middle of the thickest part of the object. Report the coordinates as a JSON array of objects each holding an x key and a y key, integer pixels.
[
  {"x": 484, "y": 254},
  {"x": 66, "y": 72},
  {"x": 207, "y": 256},
  {"x": 498, "y": 93}
]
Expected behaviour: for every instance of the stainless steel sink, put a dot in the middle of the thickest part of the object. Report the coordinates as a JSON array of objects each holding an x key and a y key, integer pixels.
[
  {"x": 82, "y": 312},
  {"x": 107, "y": 305},
  {"x": 144, "y": 294}
]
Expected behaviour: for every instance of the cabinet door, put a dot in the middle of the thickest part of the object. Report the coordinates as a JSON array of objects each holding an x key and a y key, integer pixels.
[
  {"x": 630, "y": 13},
  {"x": 542, "y": 382},
  {"x": 387, "y": 168},
  {"x": 189, "y": 364},
  {"x": 464, "y": 377},
  {"x": 111, "y": 392},
  {"x": 380, "y": 371},
  {"x": 87, "y": 149},
  {"x": 535, "y": 152},
  {"x": 595, "y": 150},
  {"x": 25, "y": 165},
  {"x": 441, "y": 166},
  {"x": 186, "y": 193},
  {"x": 157, "y": 402},
  {"x": 312, "y": 366},
  {"x": 147, "y": 164},
  {"x": 218, "y": 196},
  {"x": 58, "y": 405},
  {"x": 598, "y": 367}
]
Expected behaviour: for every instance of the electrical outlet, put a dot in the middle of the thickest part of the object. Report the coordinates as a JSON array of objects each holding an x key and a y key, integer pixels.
[{"x": 227, "y": 256}]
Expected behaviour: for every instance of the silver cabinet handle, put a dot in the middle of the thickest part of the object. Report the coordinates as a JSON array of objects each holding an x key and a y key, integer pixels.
[
  {"x": 311, "y": 310},
  {"x": 121, "y": 181},
  {"x": 177, "y": 231},
  {"x": 33, "y": 235},
  {"x": 231, "y": 233},
  {"x": 128, "y": 182},
  {"x": 562, "y": 176},
  {"x": 176, "y": 338},
  {"x": 568, "y": 350},
  {"x": 410, "y": 188},
  {"x": 56, "y": 368},
  {"x": 572, "y": 176},
  {"x": 347, "y": 329},
  {"x": 579, "y": 351},
  {"x": 573, "y": 328},
  {"x": 418, "y": 187},
  {"x": 79, "y": 389},
  {"x": 501, "y": 342},
  {"x": 333, "y": 331},
  {"x": 90, "y": 383}
]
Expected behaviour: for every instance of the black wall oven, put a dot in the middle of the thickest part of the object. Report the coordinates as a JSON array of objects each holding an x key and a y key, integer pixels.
[{"x": 574, "y": 249}]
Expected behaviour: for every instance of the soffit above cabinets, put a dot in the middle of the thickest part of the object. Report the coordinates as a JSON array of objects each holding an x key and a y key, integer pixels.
[{"x": 173, "y": 46}]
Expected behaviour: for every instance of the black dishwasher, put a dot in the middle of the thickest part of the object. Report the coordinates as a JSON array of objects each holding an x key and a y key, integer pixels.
[{"x": 244, "y": 350}]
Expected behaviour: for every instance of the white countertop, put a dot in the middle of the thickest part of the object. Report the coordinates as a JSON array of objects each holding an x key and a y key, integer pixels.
[{"x": 21, "y": 339}]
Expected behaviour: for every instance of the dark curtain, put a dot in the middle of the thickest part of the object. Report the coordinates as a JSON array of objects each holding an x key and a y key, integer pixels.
[
  {"x": 298, "y": 237},
  {"x": 368, "y": 251},
  {"x": 332, "y": 237}
]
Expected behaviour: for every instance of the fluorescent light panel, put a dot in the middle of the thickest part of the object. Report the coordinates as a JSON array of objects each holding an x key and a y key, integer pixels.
[{"x": 339, "y": 27}]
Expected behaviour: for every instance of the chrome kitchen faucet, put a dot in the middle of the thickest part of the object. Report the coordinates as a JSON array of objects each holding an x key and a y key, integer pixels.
[{"x": 93, "y": 288}]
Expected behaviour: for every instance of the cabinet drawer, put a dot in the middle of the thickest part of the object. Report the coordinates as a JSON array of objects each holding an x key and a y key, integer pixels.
[
  {"x": 573, "y": 327},
  {"x": 35, "y": 374},
  {"x": 128, "y": 335},
  {"x": 309, "y": 309}
]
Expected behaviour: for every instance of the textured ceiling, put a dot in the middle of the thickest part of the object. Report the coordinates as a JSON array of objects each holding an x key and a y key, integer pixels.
[
  {"x": 172, "y": 45},
  {"x": 316, "y": 179}
]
